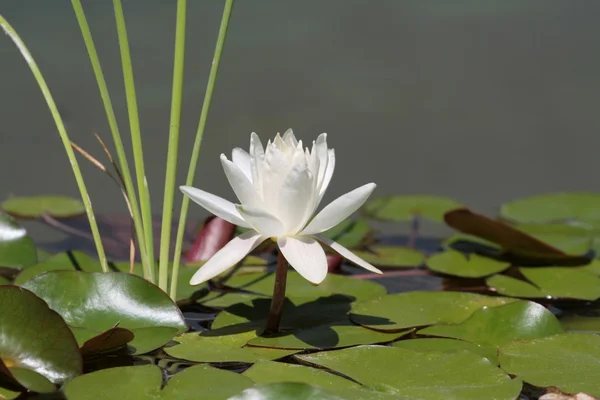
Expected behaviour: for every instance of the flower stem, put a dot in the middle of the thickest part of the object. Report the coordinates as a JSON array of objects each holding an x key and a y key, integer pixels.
[
  {"x": 114, "y": 128},
  {"x": 64, "y": 137},
  {"x": 198, "y": 142},
  {"x": 278, "y": 295},
  {"x": 136, "y": 139},
  {"x": 170, "y": 176}
]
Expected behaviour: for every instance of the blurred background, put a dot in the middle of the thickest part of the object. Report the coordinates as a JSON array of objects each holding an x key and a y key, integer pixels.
[{"x": 482, "y": 101}]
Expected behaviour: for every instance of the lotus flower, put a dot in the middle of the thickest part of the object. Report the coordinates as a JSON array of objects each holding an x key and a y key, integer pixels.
[{"x": 279, "y": 189}]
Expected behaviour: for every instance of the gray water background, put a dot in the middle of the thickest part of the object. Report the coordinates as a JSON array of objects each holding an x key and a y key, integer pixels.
[{"x": 482, "y": 101}]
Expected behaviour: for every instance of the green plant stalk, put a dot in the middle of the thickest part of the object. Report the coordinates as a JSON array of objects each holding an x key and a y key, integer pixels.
[
  {"x": 198, "y": 141},
  {"x": 114, "y": 128},
  {"x": 170, "y": 176},
  {"x": 136, "y": 140},
  {"x": 64, "y": 137}
]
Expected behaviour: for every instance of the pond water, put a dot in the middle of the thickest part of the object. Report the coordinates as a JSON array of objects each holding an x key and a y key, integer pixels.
[{"x": 480, "y": 101}]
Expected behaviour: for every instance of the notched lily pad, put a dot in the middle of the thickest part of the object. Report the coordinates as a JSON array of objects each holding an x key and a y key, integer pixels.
[
  {"x": 513, "y": 287},
  {"x": 404, "y": 208},
  {"x": 297, "y": 286},
  {"x": 459, "y": 264},
  {"x": 105, "y": 299},
  {"x": 36, "y": 206},
  {"x": 553, "y": 207},
  {"x": 392, "y": 256},
  {"x": 412, "y": 374},
  {"x": 570, "y": 362},
  {"x": 416, "y": 309},
  {"x": 564, "y": 282},
  {"x": 17, "y": 249},
  {"x": 328, "y": 336},
  {"x": 54, "y": 355},
  {"x": 217, "y": 347},
  {"x": 447, "y": 346},
  {"x": 496, "y": 326}
]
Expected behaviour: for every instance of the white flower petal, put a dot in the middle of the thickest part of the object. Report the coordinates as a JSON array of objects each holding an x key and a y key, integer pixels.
[
  {"x": 240, "y": 184},
  {"x": 347, "y": 254},
  {"x": 295, "y": 198},
  {"x": 320, "y": 148},
  {"x": 328, "y": 173},
  {"x": 306, "y": 256},
  {"x": 232, "y": 253},
  {"x": 242, "y": 160},
  {"x": 262, "y": 221},
  {"x": 257, "y": 155},
  {"x": 339, "y": 209},
  {"x": 216, "y": 205},
  {"x": 289, "y": 138}
]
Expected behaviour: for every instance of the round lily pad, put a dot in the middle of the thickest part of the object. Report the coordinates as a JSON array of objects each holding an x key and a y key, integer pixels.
[
  {"x": 298, "y": 313},
  {"x": 286, "y": 390},
  {"x": 496, "y": 326},
  {"x": 297, "y": 286},
  {"x": 569, "y": 362},
  {"x": 416, "y": 309},
  {"x": 513, "y": 287},
  {"x": 459, "y": 375},
  {"x": 105, "y": 299},
  {"x": 54, "y": 355},
  {"x": 144, "y": 382},
  {"x": 36, "y": 206},
  {"x": 69, "y": 261},
  {"x": 216, "y": 347},
  {"x": 16, "y": 247},
  {"x": 447, "y": 346},
  {"x": 392, "y": 256},
  {"x": 552, "y": 207},
  {"x": 404, "y": 208},
  {"x": 564, "y": 282},
  {"x": 328, "y": 336},
  {"x": 459, "y": 264}
]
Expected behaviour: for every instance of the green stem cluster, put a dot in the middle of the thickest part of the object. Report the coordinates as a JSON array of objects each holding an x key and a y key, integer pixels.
[{"x": 140, "y": 211}]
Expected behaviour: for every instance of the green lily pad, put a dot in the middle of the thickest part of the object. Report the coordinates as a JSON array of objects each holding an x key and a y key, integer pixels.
[
  {"x": 287, "y": 390},
  {"x": 416, "y": 309},
  {"x": 513, "y": 287},
  {"x": 144, "y": 382},
  {"x": 495, "y": 326},
  {"x": 70, "y": 261},
  {"x": 472, "y": 266},
  {"x": 570, "y": 362},
  {"x": 223, "y": 300},
  {"x": 4, "y": 281},
  {"x": 593, "y": 267},
  {"x": 564, "y": 282},
  {"x": 214, "y": 347},
  {"x": 267, "y": 372},
  {"x": 32, "y": 380},
  {"x": 447, "y": 346},
  {"x": 574, "y": 240},
  {"x": 36, "y": 206},
  {"x": 91, "y": 342},
  {"x": 436, "y": 376},
  {"x": 7, "y": 394},
  {"x": 297, "y": 286},
  {"x": 552, "y": 207},
  {"x": 298, "y": 313},
  {"x": 328, "y": 336},
  {"x": 580, "y": 323},
  {"x": 54, "y": 355},
  {"x": 16, "y": 247},
  {"x": 349, "y": 233},
  {"x": 404, "y": 208},
  {"x": 393, "y": 256},
  {"x": 105, "y": 299}
]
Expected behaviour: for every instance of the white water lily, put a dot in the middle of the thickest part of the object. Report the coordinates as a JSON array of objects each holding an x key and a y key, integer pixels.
[{"x": 279, "y": 189}]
